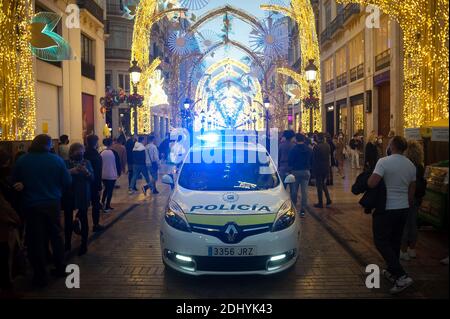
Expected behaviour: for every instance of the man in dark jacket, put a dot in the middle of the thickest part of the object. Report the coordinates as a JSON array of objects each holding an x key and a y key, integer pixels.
[
  {"x": 129, "y": 147},
  {"x": 321, "y": 169},
  {"x": 41, "y": 177},
  {"x": 300, "y": 163},
  {"x": 287, "y": 143},
  {"x": 95, "y": 159}
]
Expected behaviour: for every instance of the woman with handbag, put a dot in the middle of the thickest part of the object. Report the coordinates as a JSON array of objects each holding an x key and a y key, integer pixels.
[{"x": 77, "y": 197}]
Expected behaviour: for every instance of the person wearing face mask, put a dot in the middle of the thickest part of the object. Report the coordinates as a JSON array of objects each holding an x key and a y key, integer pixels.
[{"x": 78, "y": 195}]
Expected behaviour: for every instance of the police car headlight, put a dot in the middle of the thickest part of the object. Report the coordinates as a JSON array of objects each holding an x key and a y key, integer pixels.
[
  {"x": 285, "y": 217},
  {"x": 175, "y": 217}
]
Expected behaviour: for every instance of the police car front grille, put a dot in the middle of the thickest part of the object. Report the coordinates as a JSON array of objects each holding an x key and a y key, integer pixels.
[
  {"x": 242, "y": 231},
  {"x": 250, "y": 263}
]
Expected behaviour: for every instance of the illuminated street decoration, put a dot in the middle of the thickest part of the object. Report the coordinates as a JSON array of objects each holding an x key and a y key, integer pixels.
[
  {"x": 129, "y": 9},
  {"x": 147, "y": 14},
  {"x": 273, "y": 41},
  {"x": 17, "y": 86},
  {"x": 194, "y": 4},
  {"x": 207, "y": 38},
  {"x": 180, "y": 43},
  {"x": 424, "y": 24},
  {"x": 46, "y": 44},
  {"x": 295, "y": 93},
  {"x": 157, "y": 94},
  {"x": 301, "y": 12}
]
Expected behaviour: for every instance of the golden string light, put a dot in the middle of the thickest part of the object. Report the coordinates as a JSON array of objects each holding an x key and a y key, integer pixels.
[
  {"x": 17, "y": 95},
  {"x": 424, "y": 24},
  {"x": 302, "y": 13},
  {"x": 147, "y": 14}
]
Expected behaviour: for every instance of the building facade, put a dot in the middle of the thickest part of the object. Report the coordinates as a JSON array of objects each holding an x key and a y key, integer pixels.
[
  {"x": 68, "y": 92},
  {"x": 361, "y": 69}
]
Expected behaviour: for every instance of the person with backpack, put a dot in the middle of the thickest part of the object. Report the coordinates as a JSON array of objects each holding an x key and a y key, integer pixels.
[
  {"x": 110, "y": 173},
  {"x": 414, "y": 153}
]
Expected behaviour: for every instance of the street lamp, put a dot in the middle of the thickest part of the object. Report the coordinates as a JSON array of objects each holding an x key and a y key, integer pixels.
[
  {"x": 311, "y": 76},
  {"x": 135, "y": 75}
]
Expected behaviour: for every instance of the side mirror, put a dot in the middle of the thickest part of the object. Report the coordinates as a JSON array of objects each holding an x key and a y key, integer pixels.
[
  {"x": 290, "y": 179},
  {"x": 167, "y": 179}
]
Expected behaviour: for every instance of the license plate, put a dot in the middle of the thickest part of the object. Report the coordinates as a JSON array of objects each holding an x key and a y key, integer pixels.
[{"x": 231, "y": 251}]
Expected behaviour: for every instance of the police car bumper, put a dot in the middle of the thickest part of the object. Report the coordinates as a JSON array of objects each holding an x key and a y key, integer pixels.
[{"x": 190, "y": 253}]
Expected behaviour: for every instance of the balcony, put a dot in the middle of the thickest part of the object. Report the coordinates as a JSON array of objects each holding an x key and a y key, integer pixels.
[
  {"x": 87, "y": 70},
  {"x": 383, "y": 60},
  {"x": 341, "y": 80},
  {"x": 119, "y": 54},
  {"x": 357, "y": 72},
  {"x": 329, "y": 86},
  {"x": 350, "y": 11},
  {"x": 92, "y": 7},
  {"x": 336, "y": 25}
]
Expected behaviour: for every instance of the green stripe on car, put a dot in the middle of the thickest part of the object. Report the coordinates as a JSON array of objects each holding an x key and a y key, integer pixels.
[{"x": 220, "y": 220}]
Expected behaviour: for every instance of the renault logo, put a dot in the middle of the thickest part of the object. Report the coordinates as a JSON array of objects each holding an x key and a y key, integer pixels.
[
  {"x": 231, "y": 231},
  {"x": 230, "y": 197}
]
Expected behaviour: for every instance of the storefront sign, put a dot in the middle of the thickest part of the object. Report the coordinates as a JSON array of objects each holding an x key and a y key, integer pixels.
[
  {"x": 439, "y": 134},
  {"x": 413, "y": 134}
]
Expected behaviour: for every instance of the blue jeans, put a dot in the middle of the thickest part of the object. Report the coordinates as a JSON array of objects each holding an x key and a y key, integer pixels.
[
  {"x": 137, "y": 170},
  {"x": 301, "y": 180}
]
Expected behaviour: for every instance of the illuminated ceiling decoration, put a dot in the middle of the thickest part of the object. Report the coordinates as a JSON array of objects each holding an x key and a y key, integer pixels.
[
  {"x": 180, "y": 43},
  {"x": 129, "y": 8},
  {"x": 194, "y": 4},
  {"x": 424, "y": 25},
  {"x": 295, "y": 93},
  {"x": 17, "y": 95},
  {"x": 272, "y": 42},
  {"x": 148, "y": 13},
  {"x": 206, "y": 38},
  {"x": 302, "y": 13},
  {"x": 46, "y": 44},
  {"x": 156, "y": 87}
]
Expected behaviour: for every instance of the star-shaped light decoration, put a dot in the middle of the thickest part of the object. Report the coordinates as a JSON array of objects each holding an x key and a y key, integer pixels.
[
  {"x": 207, "y": 39},
  {"x": 272, "y": 41},
  {"x": 46, "y": 44},
  {"x": 194, "y": 4},
  {"x": 180, "y": 43},
  {"x": 295, "y": 93},
  {"x": 157, "y": 94},
  {"x": 129, "y": 8}
]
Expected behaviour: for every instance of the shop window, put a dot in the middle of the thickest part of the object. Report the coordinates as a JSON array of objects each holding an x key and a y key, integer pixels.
[
  {"x": 124, "y": 82},
  {"x": 358, "y": 119}
]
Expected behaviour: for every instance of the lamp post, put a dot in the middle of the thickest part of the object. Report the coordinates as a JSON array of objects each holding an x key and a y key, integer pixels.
[
  {"x": 311, "y": 76},
  {"x": 135, "y": 75},
  {"x": 266, "y": 106}
]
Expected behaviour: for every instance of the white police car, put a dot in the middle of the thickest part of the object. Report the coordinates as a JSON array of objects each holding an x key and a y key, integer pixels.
[{"x": 230, "y": 215}]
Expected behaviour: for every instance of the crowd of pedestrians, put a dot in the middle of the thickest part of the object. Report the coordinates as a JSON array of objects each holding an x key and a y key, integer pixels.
[
  {"x": 38, "y": 185},
  {"x": 392, "y": 183}
]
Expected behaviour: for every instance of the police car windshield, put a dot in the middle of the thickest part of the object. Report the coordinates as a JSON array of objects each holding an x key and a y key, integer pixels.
[{"x": 242, "y": 174}]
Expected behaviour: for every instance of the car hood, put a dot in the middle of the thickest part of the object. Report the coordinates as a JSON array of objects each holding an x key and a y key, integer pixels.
[{"x": 221, "y": 207}]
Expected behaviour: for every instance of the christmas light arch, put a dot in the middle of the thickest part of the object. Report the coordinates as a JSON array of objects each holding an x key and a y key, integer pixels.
[{"x": 301, "y": 11}]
